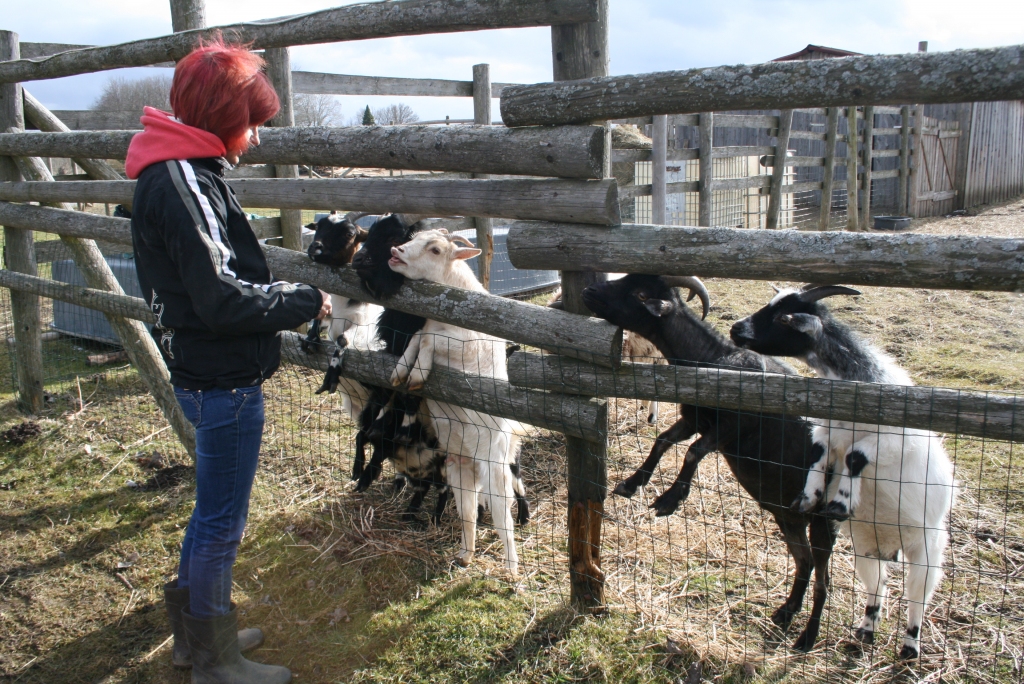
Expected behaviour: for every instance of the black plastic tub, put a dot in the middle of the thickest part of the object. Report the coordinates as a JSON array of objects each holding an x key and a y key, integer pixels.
[{"x": 892, "y": 223}]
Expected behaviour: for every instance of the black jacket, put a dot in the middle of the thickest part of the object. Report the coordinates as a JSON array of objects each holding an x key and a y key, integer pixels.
[{"x": 205, "y": 277}]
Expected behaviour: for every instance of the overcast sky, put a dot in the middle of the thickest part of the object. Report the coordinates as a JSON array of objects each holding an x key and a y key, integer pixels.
[{"x": 646, "y": 35}]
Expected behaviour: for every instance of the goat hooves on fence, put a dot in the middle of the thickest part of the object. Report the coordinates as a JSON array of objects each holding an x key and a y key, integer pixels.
[{"x": 836, "y": 511}]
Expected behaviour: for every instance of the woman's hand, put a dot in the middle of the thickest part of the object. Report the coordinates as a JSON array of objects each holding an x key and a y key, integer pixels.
[{"x": 325, "y": 308}]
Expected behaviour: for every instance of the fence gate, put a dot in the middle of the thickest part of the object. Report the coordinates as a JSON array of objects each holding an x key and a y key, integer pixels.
[{"x": 936, "y": 191}]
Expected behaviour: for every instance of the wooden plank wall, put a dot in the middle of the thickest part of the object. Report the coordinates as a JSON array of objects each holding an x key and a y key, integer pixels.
[{"x": 995, "y": 163}]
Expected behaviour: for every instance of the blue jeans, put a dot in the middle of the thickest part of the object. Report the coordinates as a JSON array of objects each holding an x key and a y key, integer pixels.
[{"x": 229, "y": 429}]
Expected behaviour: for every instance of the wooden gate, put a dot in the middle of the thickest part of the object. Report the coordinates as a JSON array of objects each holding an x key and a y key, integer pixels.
[{"x": 936, "y": 189}]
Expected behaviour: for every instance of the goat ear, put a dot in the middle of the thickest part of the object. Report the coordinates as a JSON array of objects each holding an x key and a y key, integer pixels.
[
  {"x": 466, "y": 253},
  {"x": 311, "y": 226},
  {"x": 808, "y": 324},
  {"x": 659, "y": 307},
  {"x": 361, "y": 235}
]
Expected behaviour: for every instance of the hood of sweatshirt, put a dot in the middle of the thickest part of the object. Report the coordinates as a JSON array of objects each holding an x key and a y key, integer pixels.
[{"x": 164, "y": 137}]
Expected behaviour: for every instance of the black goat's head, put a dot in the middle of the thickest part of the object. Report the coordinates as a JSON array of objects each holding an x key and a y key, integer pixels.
[
  {"x": 636, "y": 302},
  {"x": 790, "y": 324},
  {"x": 371, "y": 262},
  {"x": 336, "y": 239}
]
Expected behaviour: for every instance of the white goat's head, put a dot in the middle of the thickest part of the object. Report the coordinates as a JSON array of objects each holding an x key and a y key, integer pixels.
[{"x": 430, "y": 254}]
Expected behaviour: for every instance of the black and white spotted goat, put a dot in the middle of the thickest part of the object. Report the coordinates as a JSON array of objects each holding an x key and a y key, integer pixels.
[
  {"x": 893, "y": 487},
  {"x": 352, "y": 322},
  {"x": 769, "y": 454}
]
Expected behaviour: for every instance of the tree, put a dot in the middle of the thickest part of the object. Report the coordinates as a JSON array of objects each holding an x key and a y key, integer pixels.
[
  {"x": 316, "y": 110},
  {"x": 122, "y": 94},
  {"x": 368, "y": 119},
  {"x": 393, "y": 114}
]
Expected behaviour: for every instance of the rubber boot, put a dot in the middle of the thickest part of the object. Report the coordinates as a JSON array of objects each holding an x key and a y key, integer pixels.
[
  {"x": 176, "y": 599},
  {"x": 216, "y": 658}
]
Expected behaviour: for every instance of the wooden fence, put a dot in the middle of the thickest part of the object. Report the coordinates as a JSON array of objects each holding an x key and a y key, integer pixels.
[{"x": 572, "y": 156}]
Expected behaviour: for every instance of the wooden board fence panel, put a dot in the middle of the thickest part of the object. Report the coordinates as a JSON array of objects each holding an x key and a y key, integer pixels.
[
  {"x": 352, "y": 22},
  {"x": 566, "y": 151},
  {"x": 936, "y": 77},
  {"x": 593, "y": 202},
  {"x": 893, "y": 260}
]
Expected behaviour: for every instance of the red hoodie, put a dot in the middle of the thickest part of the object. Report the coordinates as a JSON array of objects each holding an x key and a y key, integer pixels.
[{"x": 163, "y": 138}]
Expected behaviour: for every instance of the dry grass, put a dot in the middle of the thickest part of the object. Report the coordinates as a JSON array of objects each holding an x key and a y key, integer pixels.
[{"x": 347, "y": 592}]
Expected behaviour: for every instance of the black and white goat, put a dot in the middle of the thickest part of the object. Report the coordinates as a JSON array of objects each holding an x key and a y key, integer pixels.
[
  {"x": 895, "y": 486},
  {"x": 769, "y": 454},
  {"x": 335, "y": 242},
  {"x": 482, "y": 450}
]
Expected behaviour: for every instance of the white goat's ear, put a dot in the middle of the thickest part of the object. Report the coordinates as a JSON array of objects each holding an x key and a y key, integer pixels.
[
  {"x": 466, "y": 253},
  {"x": 659, "y": 307},
  {"x": 808, "y": 324}
]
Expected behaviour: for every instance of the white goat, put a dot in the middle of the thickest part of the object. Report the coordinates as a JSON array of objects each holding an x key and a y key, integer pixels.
[
  {"x": 481, "y": 448},
  {"x": 893, "y": 486}
]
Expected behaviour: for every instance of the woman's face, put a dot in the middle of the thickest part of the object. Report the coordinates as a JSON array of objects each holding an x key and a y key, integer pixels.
[{"x": 254, "y": 141}]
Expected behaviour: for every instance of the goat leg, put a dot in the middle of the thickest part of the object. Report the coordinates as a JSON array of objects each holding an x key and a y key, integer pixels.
[
  {"x": 372, "y": 470},
  {"x": 406, "y": 360},
  {"x": 666, "y": 440},
  {"x": 424, "y": 363},
  {"x": 312, "y": 337},
  {"x": 674, "y": 496},
  {"x": 333, "y": 375},
  {"x": 823, "y": 538},
  {"x": 360, "y": 458}
]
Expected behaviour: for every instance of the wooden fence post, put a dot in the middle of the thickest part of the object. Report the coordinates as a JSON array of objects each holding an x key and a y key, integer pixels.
[
  {"x": 20, "y": 253},
  {"x": 279, "y": 71},
  {"x": 852, "y": 217},
  {"x": 187, "y": 15},
  {"x": 135, "y": 338},
  {"x": 779, "y": 169},
  {"x": 869, "y": 141},
  {"x": 901, "y": 201},
  {"x": 581, "y": 51},
  {"x": 659, "y": 160},
  {"x": 706, "y": 133},
  {"x": 482, "y": 117},
  {"x": 831, "y": 133},
  {"x": 916, "y": 162}
]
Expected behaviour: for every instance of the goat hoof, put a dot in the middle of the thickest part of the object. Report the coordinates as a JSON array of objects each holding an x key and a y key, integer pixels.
[
  {"x": 783, "y": 616},
  {"x": 652, "y": 419},
  {"x": 836, "y": 511},
  {"x": 625, "y": 489},
  {"x": 909, "y": 653},
  {"x": 522, "y": 512},
  {"x": 415, "y": 386},
  {"x": 463, "y": 561},
  {"x": 804, "y": 643},
  {"x": 864, "y": 636}
]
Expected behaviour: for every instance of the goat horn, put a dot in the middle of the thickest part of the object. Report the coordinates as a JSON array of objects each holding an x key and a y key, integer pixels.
[
  {"x": 354, "y": 216},
  {"x": 459, "y": 238},
  {"x": 816, "y": 293},
  {"x": 409, "y": 219},
  {"x": 696, "y": 288}
]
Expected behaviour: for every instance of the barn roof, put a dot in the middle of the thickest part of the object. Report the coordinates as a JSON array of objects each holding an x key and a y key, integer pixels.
[{"x": 816, "y": 52}]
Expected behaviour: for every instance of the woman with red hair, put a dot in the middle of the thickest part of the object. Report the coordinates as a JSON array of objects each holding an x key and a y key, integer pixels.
[{"x": 218, "y": 312}]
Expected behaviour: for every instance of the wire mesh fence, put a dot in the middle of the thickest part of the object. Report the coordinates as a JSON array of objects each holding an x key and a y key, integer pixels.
[{"x": 710, "y": 575}]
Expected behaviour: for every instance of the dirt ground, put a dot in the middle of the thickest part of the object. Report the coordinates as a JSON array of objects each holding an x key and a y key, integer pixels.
[{"x": 93, "y": 506}]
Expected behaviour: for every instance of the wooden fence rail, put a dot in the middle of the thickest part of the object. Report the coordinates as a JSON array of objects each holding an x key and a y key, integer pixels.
[
  {"x": 570, "y": 415},
  {"x": 565, "y": 151},
  {"x": 980, "y": 414},
  {"x": 594, "y": 202},
  {"x": 588, "y": 338},
  {"x": 892, "y": 260},
  {"x": 353, "y": 22},
  {"x": 936, "y": 77}
]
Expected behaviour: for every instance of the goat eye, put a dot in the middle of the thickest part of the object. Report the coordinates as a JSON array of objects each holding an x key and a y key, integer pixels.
[
  {"x": 436, "y": 250},
  {"x": 641, "y": 296}
]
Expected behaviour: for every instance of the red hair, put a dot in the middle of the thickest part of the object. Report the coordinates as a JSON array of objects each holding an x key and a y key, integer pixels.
[{"x": 222, "y": 89}]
